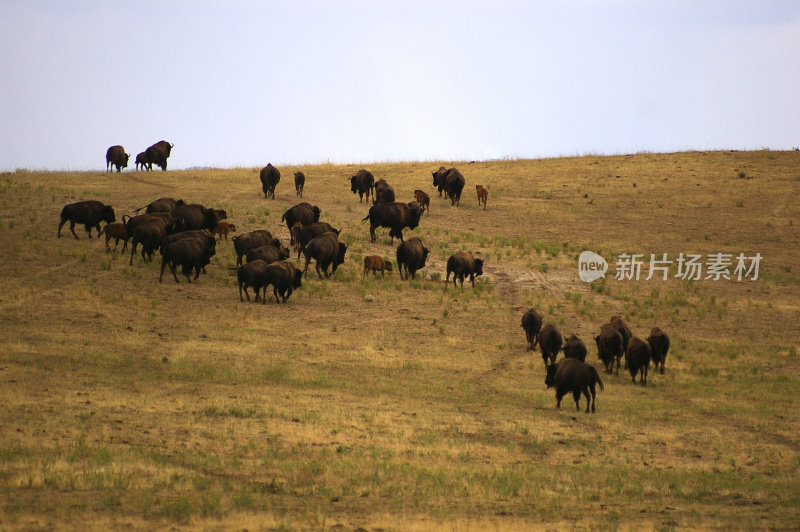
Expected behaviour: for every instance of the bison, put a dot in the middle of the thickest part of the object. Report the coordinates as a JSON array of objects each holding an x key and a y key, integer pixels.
[
  {"x": 326, "y": 250},
  {"x": 161, "y": 205},
  {"x": 244, "y": 243},
  {"x": 438, "y": 179},
  {"x": 532, "y": 324},
  {"x": 149, "y": 234},
  {"x": 375, "y": 263},
  {"x": 143, "y": 162},
  {"x": 303, "y": 234},
  {"x": 158, "y": 154},
  {"x": 299, "y": 183},
  {"x": 461, "y": 264},
  {"x": 396, "y": 216},
  {"x": 284, "y": 278},
  {"x": 252, "y": 274},
  {"x": 116, "y": 156},
  {"x": 638, "y": 357},
  {"x": 574, "y": 348},
  {"x": 131, "y": 223},
  {"x": 574, "y": 376},
  {"x": 117, "y": 232},
  {"x": 483, "y": 195},
  {"x": 619, "y": 324},
  {"x": 411, "y": 256},
  {"x": 609, "y": 347},
  {"x": 192, "y": 253},
  {"x": 384, "y": 193},
  {"x": 194, "y": 216},
  {"x": 268, "y": 253},
  {"x": 659, "y": 346},
  {"x": 451, "y": 181},
  {"x": 270, "y": 176},
  {"x": 421, "y": 197},
  {"x": 549, "y": 343},
  {"x": 304, "y": 213},
  {"x": 222, "y": 229},
  {"x": 89, "y": 213},
  {"x": 362, "y": 183}
]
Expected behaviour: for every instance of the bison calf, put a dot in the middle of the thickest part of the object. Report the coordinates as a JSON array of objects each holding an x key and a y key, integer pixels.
[
  {"x": 423, "y": 199},
  {"x": 659, "y": 346},
  {"x": 576, "y": 377},
  {"x": 117, "y": 232},
  {"x": 376, "y": 264},
  {"x": 483, "y": 195},
  {"x": 222, "y": 229},
  {"x": 532, "y": 324}
]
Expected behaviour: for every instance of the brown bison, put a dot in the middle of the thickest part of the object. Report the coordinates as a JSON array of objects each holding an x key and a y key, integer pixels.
[
  {"x": 609, "y": 347},
  {"x": 550, "y": 343},
  {"x": 299, "y": 183},
  {"x": 158, "y": 153},
  {"x": 362, "y": 183},
  {"x": 268, "y": 253},
  {"x": 574, "y": 348},
  {"x": 421, "y": 197},
  {"x": 304, "y": 213},
  {"x": 161, "y": 205},
  {"x": 384, "y": 193},
  {"x": 375, "y": 264},
  {"x": 303, "y": 234},
  {"x": 150, "y": 234},
  {"x": 438, "y": 179},
  {"x": 451, "y": 181},
  {"x": 396, "y": 216},
  {"x": 284, "y": 278},
  {"x": 638, "y": 358},
  {"x": 483, "y": 195},
  {"x": 132, "y": 222},
  {"x": 244, "y": 243},
  {"x": 190, "y": 252},
  {"x": 117, "y": 232},
  {"x": 222, "y": 229},
  {"x": 462, "y": 264},
  {"x": 532, "y": 324},
  {"x": 659, "y": 346},
  {"x": 270, "y": 176},
  {"x": 576, "y": 377},
  {"x": 253, "y": 274},
  {"x": 89, "y": 213},
  {"x": 619, "y": 324},
  {"x": 411, "y": 256},
  {"x": 116, "y": 156},
  {"x": 326, "y": 250},
  {"x": 193, "y": 216},
  {"x": 142, "y": 163}
]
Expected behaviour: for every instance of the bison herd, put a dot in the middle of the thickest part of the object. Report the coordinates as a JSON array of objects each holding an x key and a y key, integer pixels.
[
  {"x": 186, "y": 236},
  {"x": 614, "y": 341}
]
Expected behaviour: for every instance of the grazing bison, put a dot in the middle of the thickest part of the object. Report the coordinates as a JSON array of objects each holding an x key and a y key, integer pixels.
[
  {"x": 659, "y": 346},
  {"x": 384, "y": 193},
  {"x": 550, "y": 343},
  {"x": 575, "y": 348},
  {"x": 609, "y": 347},
  {"x": 268, "y": 253},
  {"x": 411, "y": 256},
  {"x": 532, "y": 324},
  {"x": 362, "y": 183},
  {"x": 284, "y": 278},
  {"x": 619, "y": 324},
  {"x": 270, "y": 176},
  {"x": 299, "y": 183},
  {"x": 194, "y": 216},
  {"x": 326, "y": 250},
  {"x": 304, "y": 213},
  {"x": 396, "y": 216},
  {"x": 117, "y": 232},
  {"x": 638, "y": 358},
  {"x": 461, "y": 264},
  {"x": 421, "y": 197},
  {"x": 89, "y": 213},
  {"x": 116, "y": 156},
  {"x": 483, "y": 195},
  {"x": 438, "y": 179},
  {"x": 158, "y": 153},
  {"x": 191, "y": 253},
  {"x": 252, "y": 274},
  {"x": 244, "y": 243},
  {"x": 375, "y": 263},
  {"x": 576, "y": 377},
  {"x": 222, "y": 229},
  {"x": 141, "y": 161},
  {"x": 303, "y": 234}
]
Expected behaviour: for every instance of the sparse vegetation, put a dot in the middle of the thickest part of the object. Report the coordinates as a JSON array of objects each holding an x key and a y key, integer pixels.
[{"x": 404, "y": 405}]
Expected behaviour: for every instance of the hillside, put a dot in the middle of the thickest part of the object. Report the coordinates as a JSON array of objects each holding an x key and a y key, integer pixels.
[{"x": 407, "y": 405}]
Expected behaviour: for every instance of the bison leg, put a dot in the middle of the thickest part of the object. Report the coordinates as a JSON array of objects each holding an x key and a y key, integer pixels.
[
  {"x": 72, "y": 229},
  {"x": 577, "y": 396},
  {"x": 245, "y": 291},
  {"x": 559, "y": 396},
  {"x": 163, "y": 266},
  {"x": 372, "y": 232}
]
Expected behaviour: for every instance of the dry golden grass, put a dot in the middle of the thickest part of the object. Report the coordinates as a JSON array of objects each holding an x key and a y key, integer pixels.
[{"x": 393, "y": 405}]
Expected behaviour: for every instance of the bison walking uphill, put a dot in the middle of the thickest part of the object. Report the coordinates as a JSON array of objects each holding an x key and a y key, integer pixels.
[
  {"x": 270, "y": 176},
  {"x": 396, "y": 216},
  {"x": 116, "y": 156}
]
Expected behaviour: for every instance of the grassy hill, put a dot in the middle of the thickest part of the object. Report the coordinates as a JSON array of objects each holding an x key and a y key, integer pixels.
[{"x": 406, "y": 405}]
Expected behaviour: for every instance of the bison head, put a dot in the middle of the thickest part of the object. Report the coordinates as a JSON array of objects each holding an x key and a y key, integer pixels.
[
  {"x": 550, "y": 378},
  {"x": 298, "y": 277},
  {"x": 478, "y": 267},
  {"x": 108, "y": 214},
  {"x": 353, "y": 185},
  {"x": 340, "y": 256}
]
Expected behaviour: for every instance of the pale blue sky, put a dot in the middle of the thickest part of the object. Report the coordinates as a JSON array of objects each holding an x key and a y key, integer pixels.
[{"x": 243, "y": 83}]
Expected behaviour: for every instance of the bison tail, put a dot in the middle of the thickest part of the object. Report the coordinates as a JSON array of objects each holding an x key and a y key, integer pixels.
[
  {"x": 365, "y": 218},
  {"x": 597, "y": 378}
]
